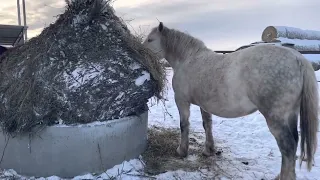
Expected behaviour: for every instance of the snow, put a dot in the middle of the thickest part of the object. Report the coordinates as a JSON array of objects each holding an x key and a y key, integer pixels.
[
  {"x": 112, "y": 70},
  {"x": 307, "y": 44},
  {"x": 62, "y": 54},
  {"x": 245, "y": 139},
  {"x": 78, "y": 19},
  {"x": 104, "y": 27},
  {"x": 309, "y": 34},
  {"x": 92, "y": 124},
  {"x": 95, "y": 123},
  {"x": 82, "y": 75},
  {"x": 134, "y": 66},
  {"x": 112, "y": 81},
  {"x": 120, "y": 95},
  {"x": 141, "y": 79}
]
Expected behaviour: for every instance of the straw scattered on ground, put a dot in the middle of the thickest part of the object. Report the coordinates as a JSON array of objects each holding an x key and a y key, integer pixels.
[{"x": 161, "y": 157}]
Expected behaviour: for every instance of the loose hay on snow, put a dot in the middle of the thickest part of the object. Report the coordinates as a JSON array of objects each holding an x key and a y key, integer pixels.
[
  {"x": 160, "y": 155},
  {"x": 85, "y": 67}
]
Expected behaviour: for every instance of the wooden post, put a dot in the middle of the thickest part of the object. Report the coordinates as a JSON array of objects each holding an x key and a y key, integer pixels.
[
  {"x": 24, "y": 20},
  {"x": 19, "y": 15}
]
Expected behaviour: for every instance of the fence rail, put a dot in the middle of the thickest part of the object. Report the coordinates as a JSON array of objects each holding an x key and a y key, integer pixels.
[{"x": 302, "y": 52}]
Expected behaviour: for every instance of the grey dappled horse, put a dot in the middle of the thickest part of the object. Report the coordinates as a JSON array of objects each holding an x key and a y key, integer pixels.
[{"x": 277, "y": 81}]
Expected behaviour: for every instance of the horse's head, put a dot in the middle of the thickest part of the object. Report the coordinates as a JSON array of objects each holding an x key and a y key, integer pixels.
[
  {"x": 154, "y": 40},
  {"x": 173, "y": 45}
]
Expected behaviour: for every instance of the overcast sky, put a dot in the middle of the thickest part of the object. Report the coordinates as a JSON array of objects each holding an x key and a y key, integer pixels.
[{"x": 221, "y": 24}]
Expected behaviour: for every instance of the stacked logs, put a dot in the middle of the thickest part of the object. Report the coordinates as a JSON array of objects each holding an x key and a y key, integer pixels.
[{"x": 303, "y": 40}]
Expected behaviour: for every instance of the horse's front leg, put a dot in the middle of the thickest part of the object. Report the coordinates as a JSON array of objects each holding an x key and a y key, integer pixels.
[
  {"x": 184, "y": 111},
  {"x": 207, "y": 125}
]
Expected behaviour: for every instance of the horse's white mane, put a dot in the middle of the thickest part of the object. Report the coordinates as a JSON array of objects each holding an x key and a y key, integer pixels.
[{"x": 176, "y": 41}]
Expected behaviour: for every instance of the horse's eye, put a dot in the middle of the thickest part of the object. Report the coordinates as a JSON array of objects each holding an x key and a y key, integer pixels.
[{"x": 149, "y": 40}]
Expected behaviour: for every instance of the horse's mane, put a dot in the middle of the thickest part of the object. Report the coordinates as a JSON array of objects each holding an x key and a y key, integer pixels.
[{"x": 176, "y": 41}]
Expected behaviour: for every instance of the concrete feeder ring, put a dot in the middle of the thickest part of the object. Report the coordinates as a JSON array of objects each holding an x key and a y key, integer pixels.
[{"x": 68, "y": 151}]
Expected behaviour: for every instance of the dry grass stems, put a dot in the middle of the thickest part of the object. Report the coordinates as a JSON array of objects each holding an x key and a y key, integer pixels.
[{"x": 160, "y": 156}]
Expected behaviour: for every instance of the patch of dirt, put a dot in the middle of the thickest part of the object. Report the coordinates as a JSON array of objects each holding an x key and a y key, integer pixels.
[{"x": 161, "y": 156}]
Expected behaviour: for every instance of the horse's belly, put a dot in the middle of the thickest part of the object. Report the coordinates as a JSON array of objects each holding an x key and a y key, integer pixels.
[{"x": 231, "y": 109}]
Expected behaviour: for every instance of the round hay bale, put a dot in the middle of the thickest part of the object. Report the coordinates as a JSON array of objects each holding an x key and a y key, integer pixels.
[{"x": 84, "y": 67}]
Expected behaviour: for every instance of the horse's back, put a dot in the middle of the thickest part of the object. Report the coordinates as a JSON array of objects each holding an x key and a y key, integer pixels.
[{"x": 272, "y": 75}]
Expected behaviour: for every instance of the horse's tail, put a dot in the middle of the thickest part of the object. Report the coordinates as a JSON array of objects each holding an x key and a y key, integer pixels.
[{"x": 308, "y": 114}]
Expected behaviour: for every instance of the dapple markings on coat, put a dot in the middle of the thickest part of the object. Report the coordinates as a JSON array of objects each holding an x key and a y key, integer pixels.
[{"x": 277, "y": 81}]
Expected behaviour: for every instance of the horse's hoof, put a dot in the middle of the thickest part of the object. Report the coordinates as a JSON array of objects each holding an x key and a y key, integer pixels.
[
  {"x": 182, "y": 153},
  {"x": 208, "y": 151}
]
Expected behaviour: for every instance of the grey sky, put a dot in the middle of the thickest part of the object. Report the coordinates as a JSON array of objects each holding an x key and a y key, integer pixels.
[{"x": 221, "y": 24}]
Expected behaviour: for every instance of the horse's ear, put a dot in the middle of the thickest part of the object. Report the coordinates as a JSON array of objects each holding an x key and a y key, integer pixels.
[{"x": 160, "y": 27}]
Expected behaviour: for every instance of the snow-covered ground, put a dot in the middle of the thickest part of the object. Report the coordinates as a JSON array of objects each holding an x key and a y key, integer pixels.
[{"x": 246, "y": 139}]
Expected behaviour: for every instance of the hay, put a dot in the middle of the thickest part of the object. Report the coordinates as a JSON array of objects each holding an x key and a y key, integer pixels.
[
  {"x": 162, "y": 144},
  {"x": 160, "y": 155},
  {"x": 149, "y": 60},
  {"x": 80, "y": 69}
]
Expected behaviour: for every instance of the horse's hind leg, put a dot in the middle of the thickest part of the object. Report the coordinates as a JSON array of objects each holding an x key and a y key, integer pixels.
[
  {"x": 286, "y": 134},
  {"x": 184, "y": 111},
  {"x": 207, "y": 125}
]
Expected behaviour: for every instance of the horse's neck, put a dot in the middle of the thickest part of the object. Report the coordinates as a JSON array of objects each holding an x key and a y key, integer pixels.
[
  {"x": 173, "y": 61},
  {"x": 178, "y": 56}
]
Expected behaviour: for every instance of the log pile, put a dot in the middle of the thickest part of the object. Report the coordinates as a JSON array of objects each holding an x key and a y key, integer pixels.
[
  {"x": 303, "y": 40},
  {"x": 273, "y": 32}
]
